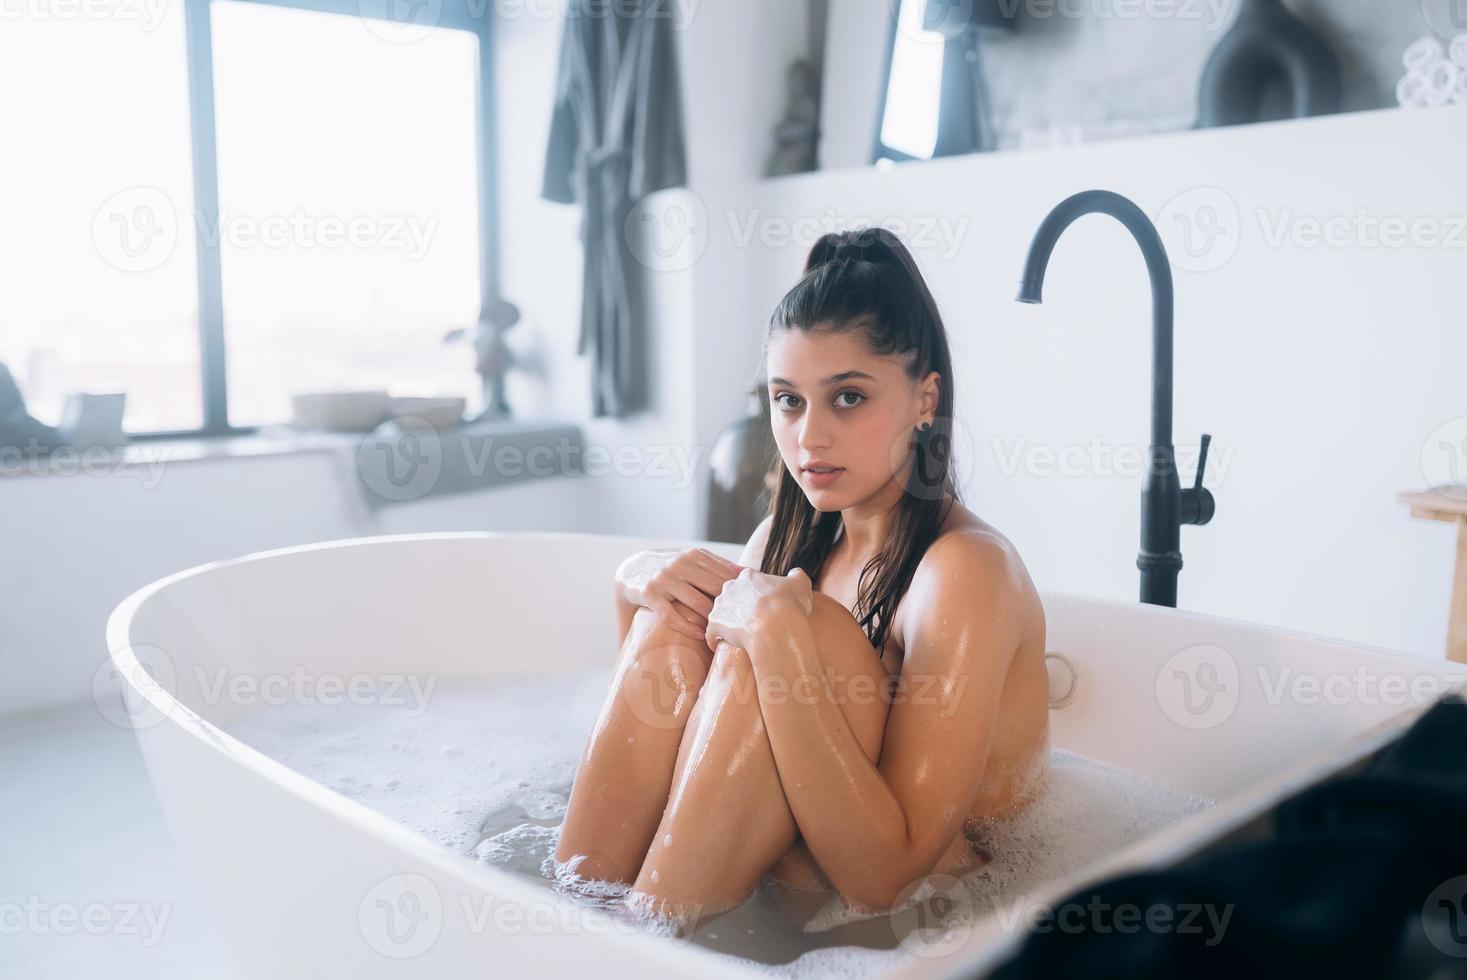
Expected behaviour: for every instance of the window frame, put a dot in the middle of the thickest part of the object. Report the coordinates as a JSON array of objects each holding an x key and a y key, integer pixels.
[{"x": 199, "y": 58}]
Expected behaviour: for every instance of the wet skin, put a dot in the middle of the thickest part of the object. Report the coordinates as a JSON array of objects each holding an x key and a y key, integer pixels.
[{"x": 765, "y": 744}]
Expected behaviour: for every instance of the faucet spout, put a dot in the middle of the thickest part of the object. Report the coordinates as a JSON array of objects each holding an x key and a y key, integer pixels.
[
  {"x": 1165, "y": 506},
  {"x": 1031, "y": 287}
]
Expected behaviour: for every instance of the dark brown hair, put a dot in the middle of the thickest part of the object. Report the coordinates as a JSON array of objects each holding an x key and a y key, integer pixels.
[{"x": 867, "y": 281}]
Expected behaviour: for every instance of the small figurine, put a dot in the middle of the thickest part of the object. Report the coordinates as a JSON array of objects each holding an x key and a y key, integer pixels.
[
  {"x": 17, "y": 428},
  {"x": 493, "y": 358}
]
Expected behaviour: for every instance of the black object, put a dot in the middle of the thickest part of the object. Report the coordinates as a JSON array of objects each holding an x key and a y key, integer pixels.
[
  {"x": 18, "y": 428},
  {"x": 1165, "y": 506},
  {"x": 1266, "y": 49},
  {"x": 1363, "y": 876}
]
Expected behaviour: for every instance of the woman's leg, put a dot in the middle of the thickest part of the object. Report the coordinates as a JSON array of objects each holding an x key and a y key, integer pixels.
[
  {"x": 626, "y": 770},
  {"x": 727, "y": 821}
]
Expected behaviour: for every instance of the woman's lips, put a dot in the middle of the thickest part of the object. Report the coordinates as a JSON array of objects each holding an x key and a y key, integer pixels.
[{"x": 822, "y": 479}]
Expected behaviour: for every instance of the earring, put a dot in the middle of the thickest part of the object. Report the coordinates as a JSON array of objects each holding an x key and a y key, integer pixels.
[{"x": 925, "y": 426}]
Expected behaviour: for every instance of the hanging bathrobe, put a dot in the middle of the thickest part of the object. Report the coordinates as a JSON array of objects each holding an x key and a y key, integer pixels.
[{"x": 616, "y": 136}]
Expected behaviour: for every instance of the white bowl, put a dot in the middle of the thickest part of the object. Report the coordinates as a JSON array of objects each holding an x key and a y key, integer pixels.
[{"x": 341, "y": 411}]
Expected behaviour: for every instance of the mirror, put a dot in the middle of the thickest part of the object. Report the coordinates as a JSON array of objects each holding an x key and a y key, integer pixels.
[{"x": 915, "y": 79}]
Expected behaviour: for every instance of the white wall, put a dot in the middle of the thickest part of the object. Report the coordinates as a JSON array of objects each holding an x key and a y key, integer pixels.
[
  {"x": 1320, "y": 371},
  {"x": 76, "y": 545}
]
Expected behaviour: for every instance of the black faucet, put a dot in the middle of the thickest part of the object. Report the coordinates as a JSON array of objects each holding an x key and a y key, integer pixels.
[{"x": 1165, "y": 506}]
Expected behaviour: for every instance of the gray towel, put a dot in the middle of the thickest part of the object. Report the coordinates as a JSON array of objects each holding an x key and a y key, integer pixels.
[{"x": 616, "y": 136}]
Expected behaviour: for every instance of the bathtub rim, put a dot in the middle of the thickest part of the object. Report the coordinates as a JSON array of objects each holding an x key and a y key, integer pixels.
[{"x": 1169, "y": 844}]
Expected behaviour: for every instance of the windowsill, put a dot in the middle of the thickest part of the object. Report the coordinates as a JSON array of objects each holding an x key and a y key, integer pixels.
[{"x": 470, "y": 457}]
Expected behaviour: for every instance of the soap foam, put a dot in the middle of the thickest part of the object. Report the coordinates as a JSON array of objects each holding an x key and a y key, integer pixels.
[{"x": 486, "y": 771}]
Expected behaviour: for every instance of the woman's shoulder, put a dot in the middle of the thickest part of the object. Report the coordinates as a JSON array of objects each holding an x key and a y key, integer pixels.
[{"x": 969, "y": 546}]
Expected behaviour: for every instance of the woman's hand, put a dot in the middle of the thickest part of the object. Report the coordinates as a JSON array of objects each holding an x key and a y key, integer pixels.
[
  {"x": 750, "y": 600},
  {"x": 679, "y": 586}
]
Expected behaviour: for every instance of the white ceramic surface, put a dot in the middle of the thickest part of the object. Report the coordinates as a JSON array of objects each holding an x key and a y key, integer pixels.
[{"x": 300, "y": 876}]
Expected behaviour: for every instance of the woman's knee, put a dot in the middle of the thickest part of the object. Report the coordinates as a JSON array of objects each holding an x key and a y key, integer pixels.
[
  {"x": 662, "y": 671},
  {"x": 854, "y": 673}
]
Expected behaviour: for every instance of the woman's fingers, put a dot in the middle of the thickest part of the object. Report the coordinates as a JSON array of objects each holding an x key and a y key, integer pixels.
[
  {"x": 696, "y": 601},
  {"x": 671, "y": 614}
]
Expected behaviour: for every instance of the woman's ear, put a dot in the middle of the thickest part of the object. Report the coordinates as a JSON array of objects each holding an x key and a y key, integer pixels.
[{"x": 931, "y": 388}]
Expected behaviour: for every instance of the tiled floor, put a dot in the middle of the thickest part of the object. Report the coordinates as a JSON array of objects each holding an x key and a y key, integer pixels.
[{"x": 90, "y": 885}]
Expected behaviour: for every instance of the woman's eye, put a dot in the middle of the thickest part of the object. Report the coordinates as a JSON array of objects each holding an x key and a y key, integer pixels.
[
  {"x": 853, "y": 394},
  {"x": 787, "y": 406}
]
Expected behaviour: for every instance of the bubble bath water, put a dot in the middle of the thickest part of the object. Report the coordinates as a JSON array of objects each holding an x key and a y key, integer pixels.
[{"x": 486, "y": 770}]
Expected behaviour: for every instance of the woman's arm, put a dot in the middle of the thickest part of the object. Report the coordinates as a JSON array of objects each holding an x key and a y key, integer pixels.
[
  {"x": 626, "y": 602},
  {"x": 876, "y": 829}
]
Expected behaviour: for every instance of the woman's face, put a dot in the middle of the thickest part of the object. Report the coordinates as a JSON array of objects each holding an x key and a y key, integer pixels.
[{"x": 833, "y": 403}]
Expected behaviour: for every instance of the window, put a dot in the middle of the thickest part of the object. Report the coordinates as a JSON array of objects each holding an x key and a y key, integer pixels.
[
  {"x": 934, "y": 102},
  {"x": 297, "y": 205},
  {"x": 909, "y": 115},
  {"x": 100, "y": 290},
  {"x": 348, "y": 207}
]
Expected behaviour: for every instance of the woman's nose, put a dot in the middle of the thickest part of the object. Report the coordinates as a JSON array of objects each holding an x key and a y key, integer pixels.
[{"x": 814, "y": 432}]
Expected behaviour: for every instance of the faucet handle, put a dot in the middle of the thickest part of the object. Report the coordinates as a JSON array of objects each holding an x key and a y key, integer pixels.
[{"x": 1198, "y": 506}]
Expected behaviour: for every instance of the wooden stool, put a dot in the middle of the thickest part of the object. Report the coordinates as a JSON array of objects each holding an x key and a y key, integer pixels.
[{"x": 1449, "y": 504}]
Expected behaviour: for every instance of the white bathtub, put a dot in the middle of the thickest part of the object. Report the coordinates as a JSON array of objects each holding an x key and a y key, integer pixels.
[{"x": 307, "y": 883}]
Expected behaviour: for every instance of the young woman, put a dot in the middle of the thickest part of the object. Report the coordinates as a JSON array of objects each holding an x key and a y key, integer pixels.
[{"x": 833, "y": 708}]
